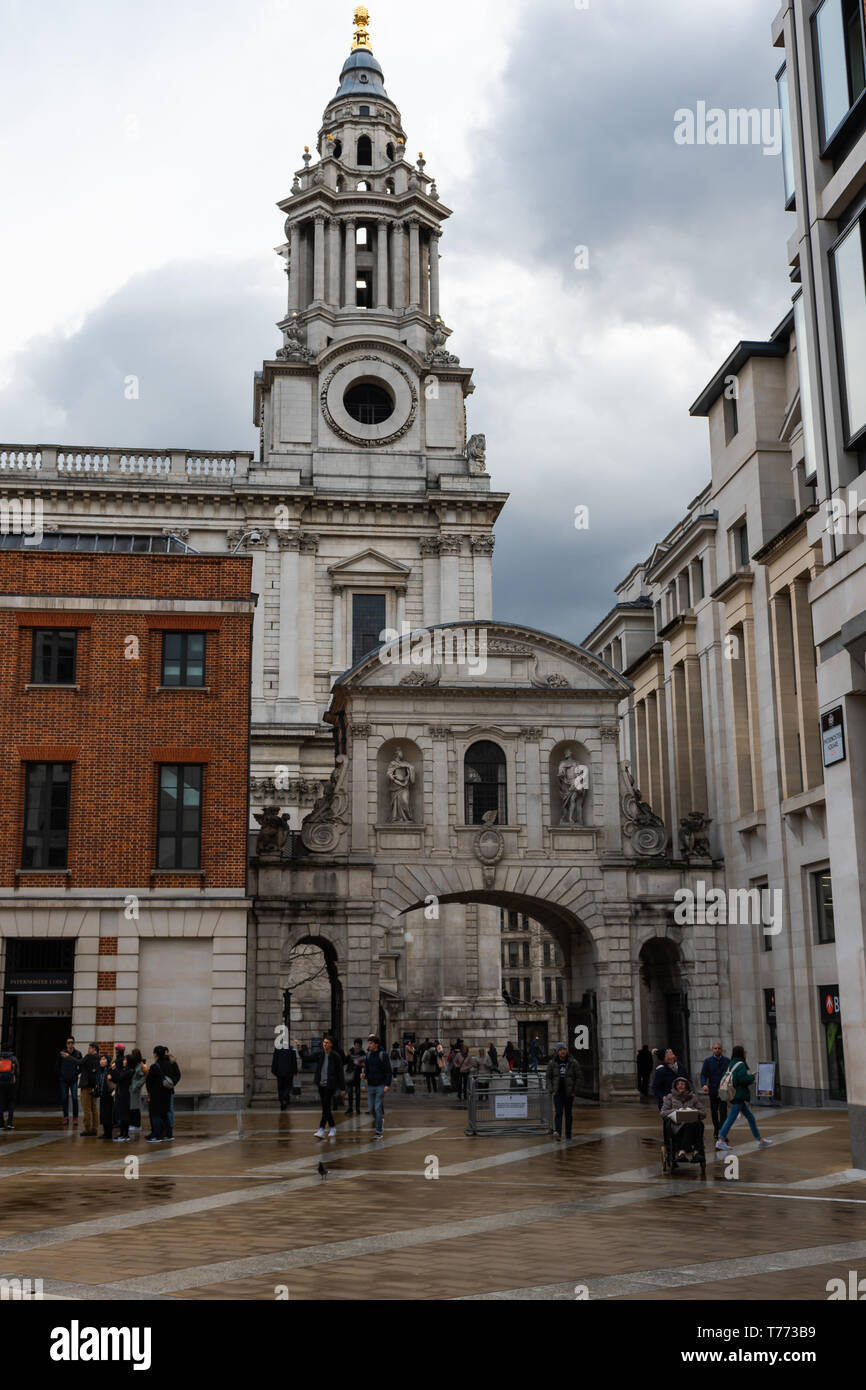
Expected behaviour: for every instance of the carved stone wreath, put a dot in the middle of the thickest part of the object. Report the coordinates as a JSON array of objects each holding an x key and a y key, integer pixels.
[{"x": 354, "y": 438}]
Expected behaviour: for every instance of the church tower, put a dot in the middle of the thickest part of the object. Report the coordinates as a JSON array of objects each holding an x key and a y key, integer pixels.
[{"x": 381, "y": 502}]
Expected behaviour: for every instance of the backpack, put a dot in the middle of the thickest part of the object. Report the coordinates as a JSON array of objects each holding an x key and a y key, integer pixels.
[
  {"x": 727, "y": 1085},
  {"x": 6, "y": 1071}
]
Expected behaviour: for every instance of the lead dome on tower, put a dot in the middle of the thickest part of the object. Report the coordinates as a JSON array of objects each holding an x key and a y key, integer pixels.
[{"x": 361, "y": 76}]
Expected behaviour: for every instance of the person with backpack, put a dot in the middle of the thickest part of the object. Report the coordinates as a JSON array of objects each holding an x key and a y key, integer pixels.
[
  {"x": 355, "y": 1058},
  {"x": 67, "y": 1064},
  {"x": 734, "y": 1085},
  {"x": 380, "y": 1074},
  {"x": 8, "y": 1087},
  {"x": 87, "y": 1085},
  {"x": 430, "y": 1068},
  {"x": 712, "y": 1072}
]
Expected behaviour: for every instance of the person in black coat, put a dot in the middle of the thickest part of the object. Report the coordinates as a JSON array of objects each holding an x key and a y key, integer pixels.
[
  {"x": 67, "y": 1064},
  {"x": 644, "y": 1069},
  {"x": 102, "y": 1089},
  {"x": 284, "y": 1066},
  {"x": 159, "y": 1095},
  {"x": 331, "y": 1080},
  {"x": 121, "y": 1079},
  {"x": 666, "y": 1074}
]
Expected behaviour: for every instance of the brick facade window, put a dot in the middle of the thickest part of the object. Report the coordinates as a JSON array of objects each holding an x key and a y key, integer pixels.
[
  {"x": 53, "y": 659},
  {"x": 178, "y": 836},
  {"x": 183, "y": 658},
  {"x": 46, "y": 816}
]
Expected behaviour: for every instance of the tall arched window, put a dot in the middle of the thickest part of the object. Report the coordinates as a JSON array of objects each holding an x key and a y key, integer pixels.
[
  {"x": 365, "y": 151},
  {"x": 485, "y": 783}
]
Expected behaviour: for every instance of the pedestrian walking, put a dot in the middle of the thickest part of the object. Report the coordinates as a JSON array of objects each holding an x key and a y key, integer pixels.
[
  {"x": 712, "y": 1071},
  {"x": 331, "y": 1081},
  {"x": 68, "y": 1062},
  {"x": 563, "y": 1078},
  {"x": 89, "y": 1090},
  {"x": 284, "y": 1066},
  {"x": 354, "y": 1072},
  {"x": 468, "y": 1069},
  {"x": 510, "y": 1055},
  {"x": 536, "y": 1053},
  {"x": 121, "y": 1078},
  {"x": 666, "y": 1074},
  {"x": 106, "y": 1099},
  {"x": 138, "y": 1073},
  {"x": 163, "y": 1074},
  {"x": 741, "y": 1079},
  {"x": 430, "y": 1068},
  {"x": 494, "y": 1057},
  {"x": 379, "y": 1074},
  {"x": 409, "y": 1057},
  {"x": 645, "y": 1067},
  {"x": 421, "y": 1054},
  {"x": 8, "y": 1087}
]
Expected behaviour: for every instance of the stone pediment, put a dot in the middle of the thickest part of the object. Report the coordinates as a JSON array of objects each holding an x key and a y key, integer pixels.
[
  {"x": 369, "y": 565},
  {"x": 486, "y": 655}
]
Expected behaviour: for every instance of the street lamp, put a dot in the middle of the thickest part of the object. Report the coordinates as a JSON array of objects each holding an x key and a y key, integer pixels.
[{"x": 254, "y": 536}]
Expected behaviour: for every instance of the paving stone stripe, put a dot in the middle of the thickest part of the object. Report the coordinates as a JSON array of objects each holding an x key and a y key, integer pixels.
[
  {"x": 17, "y": 1146},
  {"x": 650, "y": 1170},
  {"x": 200, "y": 1276}
]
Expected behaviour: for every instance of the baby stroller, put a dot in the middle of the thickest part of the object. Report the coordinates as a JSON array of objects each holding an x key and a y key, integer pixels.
[{"x": 689, "y": 1140}]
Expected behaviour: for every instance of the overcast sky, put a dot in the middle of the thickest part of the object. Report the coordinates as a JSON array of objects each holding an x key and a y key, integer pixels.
[{"x": 142, "y": 151}]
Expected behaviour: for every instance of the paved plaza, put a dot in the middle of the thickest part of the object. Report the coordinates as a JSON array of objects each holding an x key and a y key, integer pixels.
[{"x": 235, "y": 1208}]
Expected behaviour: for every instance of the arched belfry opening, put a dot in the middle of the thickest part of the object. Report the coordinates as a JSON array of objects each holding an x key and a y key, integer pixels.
[{"x": 364, "y": 158}]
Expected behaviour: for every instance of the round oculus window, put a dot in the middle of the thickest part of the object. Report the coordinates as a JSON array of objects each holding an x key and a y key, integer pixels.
[{"x": 369, "y": 403}]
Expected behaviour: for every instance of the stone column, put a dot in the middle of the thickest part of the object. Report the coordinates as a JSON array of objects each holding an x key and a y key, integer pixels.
[
  {"x": 430, "y": 571},
  {"x": 319, "y": 260},
  {"x": 610, "y": 790},
  {"x": 434, "y": 273},
  {"x": 350, "y": 294},
  {"x": 449, "y": 579},
  {"x": 482, "y": 564},
  {"x": 334, "y": 262},
  {"x": 439, "y": 735},
  {"x": 535, "y": 798},
  {"x": 295, "y": 269},
  {"x": 398, "y": 266},
  {"x": 360, "y": 800},
  {"x": 382, "y": 270},
  {"x": 290, "y": 547},
  {"x": 305, "y": 640},
  {"x": 414, "y": 263}
]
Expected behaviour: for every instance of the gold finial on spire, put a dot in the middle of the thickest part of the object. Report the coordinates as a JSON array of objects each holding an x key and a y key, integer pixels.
[{"x": 362, "y": 33}]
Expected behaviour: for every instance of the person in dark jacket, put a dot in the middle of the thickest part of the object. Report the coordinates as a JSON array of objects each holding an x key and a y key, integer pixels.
[
  {"x": 8, "y": 1087},
  {"x": 87, "y": 1078},
  {"x": 644, "y": 1070},
  {"x": 563, "y": 1078},
  {"x": 284, "y": 1066},
  {"x": 106, "y": 1099},
  {"x": 380, "y": 1074},
  {"x": 159, "y": 1095},
  {"x": 510, "y": 1055},
  {"x": 121, "y": 1079},
  {"x": 331, "y": 1081},
  {"x": 354, "y": 1068},
  {"x": 712, "y": 1072},
  {"x": 67, "y": 1064},
  {"x": 742, "y": 1079},
  {"x": 666, "y": 1074}
]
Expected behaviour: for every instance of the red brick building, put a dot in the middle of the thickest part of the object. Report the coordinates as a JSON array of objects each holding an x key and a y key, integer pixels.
[{"x": 124, "y": 738}]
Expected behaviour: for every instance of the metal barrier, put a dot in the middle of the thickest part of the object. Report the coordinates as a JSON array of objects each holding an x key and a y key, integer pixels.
[{"x": 514, "y": 1103}]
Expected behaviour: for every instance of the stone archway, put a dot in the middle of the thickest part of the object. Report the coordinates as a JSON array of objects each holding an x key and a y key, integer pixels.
[
  {"x": 311, "y": 976},
  {"x": 664, "y": 1002}
]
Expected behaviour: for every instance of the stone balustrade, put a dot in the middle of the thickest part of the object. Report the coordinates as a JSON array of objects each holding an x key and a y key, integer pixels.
[{"x": 81, "y": 462}]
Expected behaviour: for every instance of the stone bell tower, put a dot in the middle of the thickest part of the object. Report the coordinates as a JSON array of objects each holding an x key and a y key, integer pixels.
[{"x": 385, "y": 504}]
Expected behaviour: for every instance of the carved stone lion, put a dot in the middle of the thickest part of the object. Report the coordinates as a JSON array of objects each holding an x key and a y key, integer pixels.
[{"x": 476, "y": 453}]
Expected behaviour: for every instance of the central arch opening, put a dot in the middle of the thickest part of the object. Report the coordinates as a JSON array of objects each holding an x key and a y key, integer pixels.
[{"x": 369, "y": 403}]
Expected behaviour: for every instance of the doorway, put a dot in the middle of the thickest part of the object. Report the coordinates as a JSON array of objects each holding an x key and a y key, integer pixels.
[
  {"x": 37, "y": 1044},
  {"x": 526, "y": 1035}
]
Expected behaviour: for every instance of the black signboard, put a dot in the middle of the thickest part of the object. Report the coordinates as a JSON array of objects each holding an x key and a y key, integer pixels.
[{"x": 39, "y": 981}]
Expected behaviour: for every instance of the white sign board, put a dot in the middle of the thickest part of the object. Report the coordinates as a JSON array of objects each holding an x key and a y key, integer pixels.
[
  {"x": 766, "y": 1078},
  {"x": 833, "y": 736},
  {"x": 512, "y": 1107}
]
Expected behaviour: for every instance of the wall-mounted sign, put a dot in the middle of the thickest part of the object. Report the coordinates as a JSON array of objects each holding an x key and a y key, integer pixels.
[
  {"x": 766, "y": 1078},
  {"x": 833, "y": 736},
  {"x": 39, "y": 981}
]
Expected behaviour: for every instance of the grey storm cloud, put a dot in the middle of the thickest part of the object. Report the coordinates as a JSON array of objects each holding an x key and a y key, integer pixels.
[{"x": 583, "y": 378}]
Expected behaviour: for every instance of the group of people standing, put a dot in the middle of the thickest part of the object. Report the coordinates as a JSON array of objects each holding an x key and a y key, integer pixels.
[
  {"x": 114, "y": 1090},
  {"x": 673, "y": 1089}
]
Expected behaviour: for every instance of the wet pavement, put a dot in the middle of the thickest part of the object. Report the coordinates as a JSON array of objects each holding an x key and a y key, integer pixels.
[{"x": 236, "y": 1209}]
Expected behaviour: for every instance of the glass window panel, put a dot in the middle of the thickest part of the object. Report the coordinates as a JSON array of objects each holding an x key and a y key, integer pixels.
[
  {"x": 787, "y": 147},
  {"x": 810, "y": 456},
  {"x": 832, "y": 64},
  {"x": 368, "y": 621},
  {"x": 851, "y": 294}
]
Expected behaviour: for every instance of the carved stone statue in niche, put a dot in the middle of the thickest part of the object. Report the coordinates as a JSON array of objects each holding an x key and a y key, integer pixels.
[
  {"x": 401, "y": 779},
  {"x": 571, "y": 780}
]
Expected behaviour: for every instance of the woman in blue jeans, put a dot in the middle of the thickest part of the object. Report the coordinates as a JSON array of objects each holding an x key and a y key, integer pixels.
[{"x": 742, "y": 1079}]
